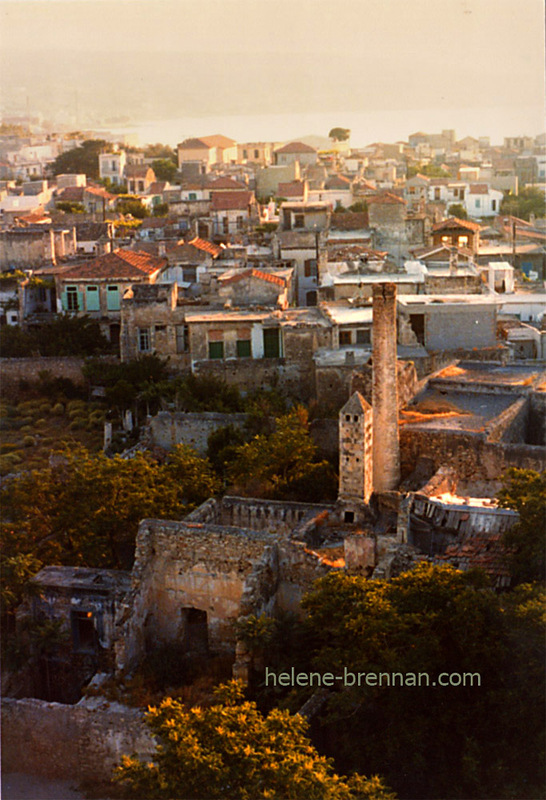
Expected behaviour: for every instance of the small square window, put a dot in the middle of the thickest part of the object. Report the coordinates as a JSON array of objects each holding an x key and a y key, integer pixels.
[
  {"x": 144, "y": 340},
  {"x": 345, "y": 338},
  {"x": 216, "y": 349},
  {"x": 243, "y": 348}
]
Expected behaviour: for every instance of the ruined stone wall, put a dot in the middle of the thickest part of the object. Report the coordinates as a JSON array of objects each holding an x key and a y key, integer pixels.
[
  {"x": 78, "y": 743},
  {"x": 537, "y": 419},
  {"x": 186, "y": 565},
  {"x": 28, "y": 369},
  {"x": 26, "y": 250},
  {"x": 267, "y": 373},
  {"x": 273, "y": 516},
  {"x": 168, "y": 429},
  {"x": 469, "y": 453},
  {"x": 454, "y": 284},
  {"x": 510, "y": 425}
]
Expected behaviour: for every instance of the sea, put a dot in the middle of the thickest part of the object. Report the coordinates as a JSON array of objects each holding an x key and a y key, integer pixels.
[{"x": 366, "y": 126}]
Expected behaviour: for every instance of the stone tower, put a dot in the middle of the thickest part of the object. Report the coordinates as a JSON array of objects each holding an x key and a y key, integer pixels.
[
  {"x": 386, "y": 447},
  {"x": 355, "y": 457}
]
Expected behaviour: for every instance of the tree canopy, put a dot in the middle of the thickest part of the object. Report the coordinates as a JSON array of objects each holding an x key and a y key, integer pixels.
[
  {"x": 524, "y": 491},
  {"x": 231, "y": 750},
  {"x": 85, "y": 509},
  {"x": 66, "y": 335},
  {"x": 283, "y": 464},
  {"x": 165, "y": 169},
  {"x": 466, "y": 740},
  {"x": 457, "y": 210},
  {"x": 84, "y": 158},
  {"x": 339, "y": 134},
  {"x": 529, "y": 200}
]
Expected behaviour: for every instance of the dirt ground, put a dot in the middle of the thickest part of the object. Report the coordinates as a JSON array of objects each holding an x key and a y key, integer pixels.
[{"x": 19, "y": 786}]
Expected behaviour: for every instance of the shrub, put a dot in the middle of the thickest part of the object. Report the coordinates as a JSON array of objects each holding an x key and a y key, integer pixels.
[
  {"x": 7, "y": 447},
  {"x": 40, "y": 423},
  {"x": 58, "y": 409},
  {"x": 29, "y": 441},
  {"x": 77, "y": 424}
]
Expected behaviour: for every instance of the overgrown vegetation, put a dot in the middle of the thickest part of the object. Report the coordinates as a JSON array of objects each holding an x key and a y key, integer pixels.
[
  {"x": 66, "y": 335},
  {"x": 229, "y": 749}
]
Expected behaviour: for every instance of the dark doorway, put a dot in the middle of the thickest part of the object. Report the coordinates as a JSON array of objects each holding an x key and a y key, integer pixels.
[
  {"x": 195, "y": 630},
  {"x": 417, "y": 322},
  {"x": 349, "y": 517}
]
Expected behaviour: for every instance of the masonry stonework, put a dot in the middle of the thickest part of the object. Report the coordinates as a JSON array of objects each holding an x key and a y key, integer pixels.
[{"x": 386, "y": 452}]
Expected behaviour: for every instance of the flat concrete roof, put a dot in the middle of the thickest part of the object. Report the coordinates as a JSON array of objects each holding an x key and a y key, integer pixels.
[
  {"x": 84, "y": 578},
  {"x": 345, "y": 315},
  {"x": 476, "y": 410},
  {"x": 475, "y": 372}
]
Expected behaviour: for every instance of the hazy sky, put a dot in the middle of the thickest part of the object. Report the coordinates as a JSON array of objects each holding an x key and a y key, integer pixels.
[{"x": 457, "y": 62}]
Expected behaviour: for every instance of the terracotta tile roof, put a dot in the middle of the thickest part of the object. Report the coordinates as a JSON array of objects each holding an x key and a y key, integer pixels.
[
  {"x": 255, "y": 273},
  {"x": 139, "y": 171},
  {"x": 453, "y": 223},
  {"x": 97, "y": 191},
  {"x": 480, "y": 551},
  {"x": 349, "y": 221},
  {"x": 291, "y": 189},
  {"x": 478, "y": 188},
  {"x": 296, "y": 147},
  {"x": 122, "y": 264},
  {"x": 338, "y": 182},
  {"x": 72, "y": 194},
  {"x": 207, "y": 247},
  {"x": 227, "y": 201},
  {"x": 194, "y": 144},
  {"x": 386, "y": 198},
  {"x": 217, "y": 140},
  {"x": 222, "y": 184},
  {"x": 158, "y": 187}
]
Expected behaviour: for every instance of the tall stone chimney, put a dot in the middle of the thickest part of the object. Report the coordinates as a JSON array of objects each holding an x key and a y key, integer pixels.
[{"x": 386, "y": 448}]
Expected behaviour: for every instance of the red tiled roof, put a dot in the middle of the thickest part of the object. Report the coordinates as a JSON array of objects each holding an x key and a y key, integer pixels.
[
  {"x": 296, "y": 147},
  {"x": 256, "y": 273},
  {"x": 455, "y": 222},
  {"x": 194, "y": 144},
  {"x": 291, "y": 189},
  {"x": 478, "y": 188},
  {"x": 157, "y": 187},
  {"x": 139, "y": 171},
  {"x": 129, "y": 264},
  {"x": 386, "y": 198},
  {"x": 97, "y": 191},
  {"x": 72, "y": 194},
  {"x": 217, "y": 140},
  {"x": 225, "y": 201},
  {"x": 207, "y": 247},
  {"x": 222, "y": 184},
  {"x": 338, "y": 182}
]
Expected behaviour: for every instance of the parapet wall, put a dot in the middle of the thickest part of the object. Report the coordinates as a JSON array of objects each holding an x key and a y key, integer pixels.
[
  {"x": 15, "y": 370},
  {"x": 78, "y": 743}
]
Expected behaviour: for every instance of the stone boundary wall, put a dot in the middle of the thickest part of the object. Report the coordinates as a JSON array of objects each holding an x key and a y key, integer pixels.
[
  {"x": 509, "y": 425},
  {"x": 14, "y": 370},
  {"x": 469, "y": 453},
  {"x": 168, "y": 429},
  {"x": 83, "y": 742},
  {"x": 294, "y": 377}
]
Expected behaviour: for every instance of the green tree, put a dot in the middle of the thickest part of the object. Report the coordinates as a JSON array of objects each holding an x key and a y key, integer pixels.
[
  {"x": 84, "y": 158},
  {"x": 430, "y": 170},
  {"x": 85, "y": 511},
  {"x": 339, "y": 134},
  {"x": 160, "y": 151},
  {"x": 529, "y": 200},
  {"x": 524, "y": 491},
  {"x": 165, "y": 169},
  {"x": 231, "y": 750},
  {"x": 461, "y": 741},
  {"x": 283, "y": 465},
  {"x": 457, "y": 210},
  {"x": 66, "y": 335},
  {"x": 130, "y": 204}
]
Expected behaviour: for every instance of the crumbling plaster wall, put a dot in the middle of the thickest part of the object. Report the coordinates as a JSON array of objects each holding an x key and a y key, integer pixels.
[
  {"x": 224, "y": 571},
  {"x": 75, "y": 742}
]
